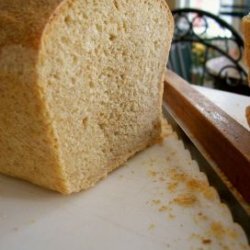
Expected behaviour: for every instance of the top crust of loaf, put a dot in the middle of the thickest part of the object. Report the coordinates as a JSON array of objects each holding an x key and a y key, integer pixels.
[{"x": 22, "y": 22}]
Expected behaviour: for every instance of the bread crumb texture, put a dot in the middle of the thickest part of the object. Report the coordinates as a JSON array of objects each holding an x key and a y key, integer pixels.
[
  {"x": 184, "y": 197},
  {"x": 81, "y": 87}
]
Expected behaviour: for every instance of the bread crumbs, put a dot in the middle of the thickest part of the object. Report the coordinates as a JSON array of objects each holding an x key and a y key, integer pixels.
[
  {"x": 152, "y": 173},
  {"x": 172, "y": 186},
  {"x": 163, "y": 208},
  {"x": 206, "y": 241},
  {"x": 156, "y": 202},
  {"x": 203, "y": 187},
  {"x": 171, "y": 216},
  {"x": 151, "y": 227},
  {"x": 218, "y": 230},
  {"x": 185, "y": 200}
]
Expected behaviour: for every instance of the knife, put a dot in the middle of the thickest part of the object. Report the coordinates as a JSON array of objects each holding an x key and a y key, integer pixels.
[{"x": 217, "y": 142}]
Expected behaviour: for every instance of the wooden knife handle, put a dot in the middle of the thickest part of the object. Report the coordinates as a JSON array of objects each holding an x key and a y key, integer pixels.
[{"x": 220, "y": 137}]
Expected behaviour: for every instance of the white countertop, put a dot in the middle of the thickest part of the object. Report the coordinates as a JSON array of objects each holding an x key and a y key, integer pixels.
[{"x": 144, "y": 205}]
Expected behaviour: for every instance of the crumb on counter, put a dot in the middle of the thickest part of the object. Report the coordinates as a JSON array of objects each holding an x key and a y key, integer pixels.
[
  {"x": 177, "y": 175},
  {"x": 218, "y": 230},
  {"x": 152, "y": 173},
  {"x": 156, "y": 202},
  {"x": 206, "y": 241},
  {"x": 151, "y": 227},
  {"x": 166, "y": 128},
  {"x": 172, "y": 186},
  {"x": 172, "y": 216},
  {"x": 201, "y": 217},
  {"x": 203, "y": 187},
  {"x": 210, "y": 193},
  {"x": 185, "y": 200},
  {"x": 163, "y": 208},
  {"x": 161, "y": 179}
]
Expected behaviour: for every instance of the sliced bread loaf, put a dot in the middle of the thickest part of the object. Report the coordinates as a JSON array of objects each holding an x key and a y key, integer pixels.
[
  {"x": 80, "y": 86},
  {"x": 246, "y": 31}
]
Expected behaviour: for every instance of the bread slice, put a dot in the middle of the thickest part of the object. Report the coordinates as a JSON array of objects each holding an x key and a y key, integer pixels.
[
  {"x": 80, "y": 86},
  {"x": 246, "y": 32}
]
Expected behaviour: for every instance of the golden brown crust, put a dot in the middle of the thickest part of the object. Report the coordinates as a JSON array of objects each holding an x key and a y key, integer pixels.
[
  {"x": 246, "y": 32},
  {"x": 246, "y": 29},
  {"x": 22, "y": 21},
  {"x": 248, "y": 115}
]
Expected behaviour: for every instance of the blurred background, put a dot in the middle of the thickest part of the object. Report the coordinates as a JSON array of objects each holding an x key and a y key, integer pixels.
[
  {"x": 230, "y": 10},
  {"x": 208, "y": 44}
]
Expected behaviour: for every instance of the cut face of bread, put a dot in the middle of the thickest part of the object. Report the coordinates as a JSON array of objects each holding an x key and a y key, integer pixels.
[{"x": 89, "y": 96}]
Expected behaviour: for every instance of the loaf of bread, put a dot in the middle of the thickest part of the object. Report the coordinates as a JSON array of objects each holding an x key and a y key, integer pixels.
[
  {"x": 248, "y": 115},
  {"x": 80, "y": 86},
  {"x": 246, "y": 31}
]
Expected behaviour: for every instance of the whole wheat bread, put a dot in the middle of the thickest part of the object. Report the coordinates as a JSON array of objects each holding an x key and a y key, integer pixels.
[
  {"x": 246, "y": 31},
  {"x": 80, "y": 86}
]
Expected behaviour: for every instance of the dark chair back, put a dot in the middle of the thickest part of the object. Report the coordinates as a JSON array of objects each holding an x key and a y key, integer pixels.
[{"x": 200, "y": 36}]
